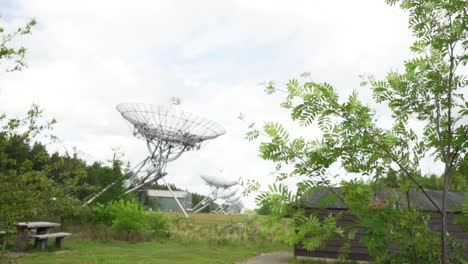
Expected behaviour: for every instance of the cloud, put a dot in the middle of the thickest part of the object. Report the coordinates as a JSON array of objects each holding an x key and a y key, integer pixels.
[{"x": 87, "y": 56}]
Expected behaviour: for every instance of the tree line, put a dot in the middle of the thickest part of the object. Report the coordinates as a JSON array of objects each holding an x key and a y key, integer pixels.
[{"x": 36, "y": 183}]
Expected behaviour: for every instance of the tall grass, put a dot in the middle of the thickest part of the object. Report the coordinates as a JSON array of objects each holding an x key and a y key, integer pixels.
[
  {"x": 213, "y": 229},
  {"x": 220, "y": 229}
]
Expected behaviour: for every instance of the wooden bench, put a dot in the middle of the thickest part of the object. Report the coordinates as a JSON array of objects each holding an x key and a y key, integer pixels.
[{"x": 40, "y": 241}]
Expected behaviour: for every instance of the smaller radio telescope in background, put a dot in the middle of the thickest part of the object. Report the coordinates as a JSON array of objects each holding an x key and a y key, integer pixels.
[
  {"x": 227, "y": 199},
  {"x": 221, "y": 188},
  {"x": 168, "y": 132},
  {"x": 223, "y": 199},
  {"x": 231, "y": 203}
]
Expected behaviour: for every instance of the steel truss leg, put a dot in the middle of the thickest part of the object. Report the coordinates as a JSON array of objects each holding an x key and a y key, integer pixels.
[
  {"x": 223, "y": 210},
  {"x": 175, "y": 198},
  {"x": 220, "y": 209},
  {"x": 138, "y": 168},
  {"x": 202, "y": 202},
  {"x": 204, "y": 206}
]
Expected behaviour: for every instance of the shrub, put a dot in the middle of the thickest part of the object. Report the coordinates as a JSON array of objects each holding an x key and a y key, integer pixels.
[
  {"x": 158, "y": 223},
  {"x": 128, "y": 217},
  {"x": 124, "y": 219},
  {"x": 100, "y": 214}
]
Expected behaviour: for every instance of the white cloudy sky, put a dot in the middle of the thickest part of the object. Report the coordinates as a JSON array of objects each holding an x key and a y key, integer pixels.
[{"x": 87, "y": 56}]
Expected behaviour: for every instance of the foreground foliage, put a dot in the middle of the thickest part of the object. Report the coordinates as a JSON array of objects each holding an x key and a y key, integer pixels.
[
  {"x": 428, "y": 119},
  {"x": 12, "y": 56}
]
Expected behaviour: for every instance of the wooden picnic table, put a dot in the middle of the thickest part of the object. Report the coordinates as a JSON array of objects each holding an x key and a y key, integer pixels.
[{"x": 24, "y": 228}]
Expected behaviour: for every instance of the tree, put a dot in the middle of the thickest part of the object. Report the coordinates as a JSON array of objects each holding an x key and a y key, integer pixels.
[
  {"x": 45, "y": 185},
  {"x": 99, "y": 176},
  {"x": 25, "y": 190},
  {"x": 430, "y": 90},
  {"x": 460, "y": 178},
  {"x": 11, "y": 58},
  {"x": 264, "y": 208},
  {"x": 433, "y": 181}
]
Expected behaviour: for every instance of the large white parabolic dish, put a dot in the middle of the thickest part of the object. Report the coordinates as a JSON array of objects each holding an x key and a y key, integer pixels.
[
  {"x": 169, "y": 124},
  {"x": 219, "y": 182},
  {"x": 229, "y": 193},
  {"x": 233, "y": 199}
]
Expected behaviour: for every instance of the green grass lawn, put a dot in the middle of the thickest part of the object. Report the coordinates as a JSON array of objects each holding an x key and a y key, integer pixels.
[
  {"x": 207, "y": 246},
  {"x": 89, "y": 251}
]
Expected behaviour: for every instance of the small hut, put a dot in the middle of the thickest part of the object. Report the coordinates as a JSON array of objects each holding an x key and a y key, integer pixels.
[{"x": 358, "y": 250}]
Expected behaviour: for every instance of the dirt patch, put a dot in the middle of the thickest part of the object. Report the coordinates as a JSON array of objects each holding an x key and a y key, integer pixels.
[
  {"x": 62, "y": 252},
  {"x": 269, "y": 258},
  {"x": 15, "y": 254}
]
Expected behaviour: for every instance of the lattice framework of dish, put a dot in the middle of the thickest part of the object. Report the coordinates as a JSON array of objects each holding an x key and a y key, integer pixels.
[{"x": 170, "y": 125}]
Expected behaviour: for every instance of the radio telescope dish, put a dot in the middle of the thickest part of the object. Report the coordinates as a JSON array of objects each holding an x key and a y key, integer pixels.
[
  {"x": 233, "y": 199},
  {"x": 231, "y": 208},
  {"x": 169, "y": 124},
  {"x": 226, "y": 206},
  {"x": 218, "y": 181},
  {"x": 222, "y": 188},
  {"x": 168, "y": 132},
  {"x": 228, "y": 193}
]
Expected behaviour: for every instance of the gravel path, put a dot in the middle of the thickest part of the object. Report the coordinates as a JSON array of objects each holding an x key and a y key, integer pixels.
[{"x": 269, "y": 258}]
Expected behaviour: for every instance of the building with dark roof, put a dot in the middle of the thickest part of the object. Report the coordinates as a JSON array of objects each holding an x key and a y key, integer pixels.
[
  {"x": 358, "y": 250},
  {"x": 417, "y": 199}
]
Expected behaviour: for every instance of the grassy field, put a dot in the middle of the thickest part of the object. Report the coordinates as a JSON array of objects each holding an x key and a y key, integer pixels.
[
  {"x": 204, "y": 238},
  {"x": 82, "y": 251},
  {"x": 212, "y": 218}
]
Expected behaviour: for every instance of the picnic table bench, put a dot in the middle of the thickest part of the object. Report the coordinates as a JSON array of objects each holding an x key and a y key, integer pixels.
[
  {"x": 41, "y": 234},
  {"x": 40, "y": 241}
]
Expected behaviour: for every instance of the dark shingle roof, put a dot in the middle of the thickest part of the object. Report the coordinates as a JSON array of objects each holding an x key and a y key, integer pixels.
[{"x": 417, "y": 198}]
